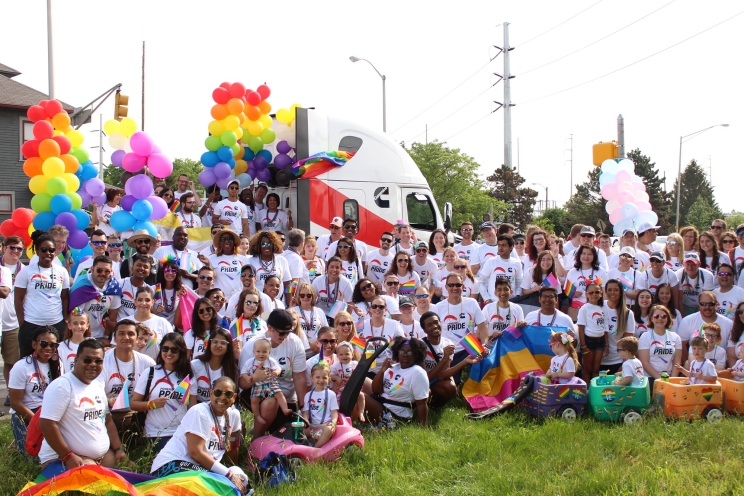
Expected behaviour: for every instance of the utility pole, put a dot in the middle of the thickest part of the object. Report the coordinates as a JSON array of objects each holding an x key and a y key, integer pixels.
[
  {"x": 620, "y": 136},
  {"x": 50, "y": 52},
  {"x": 517, "y": 155},
  {"x": 570, "y": 161},
  {"x": 143, "y": 85},
  {"x": 100, "y": 146},
  {"x": 507, "y": 100}
]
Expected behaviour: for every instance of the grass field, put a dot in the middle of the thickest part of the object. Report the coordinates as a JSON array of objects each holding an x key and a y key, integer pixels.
[{"x": 510, "y": 454}]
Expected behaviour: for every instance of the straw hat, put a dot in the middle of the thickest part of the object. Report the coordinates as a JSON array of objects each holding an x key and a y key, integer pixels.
[
  {"x": 141, "y": 234},
  {"x": 216, "y": 237}
]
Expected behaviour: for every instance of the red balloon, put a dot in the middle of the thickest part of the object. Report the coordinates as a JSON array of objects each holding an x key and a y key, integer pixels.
[
  {"x": 53, "y": 108},
  {"x": 8, "y": 228},
  {"x": 36, "y": 113},
  {"x": 253, "y": 98},
  {"x": 64, "y": 144},
  {"x": 237, "y": 90},
  {"x": 264, "y": 91},
  {"x": 221, "y": 95},
  {"x": 43, "y": 130},
  {"x": 22, "y": 217},
  {"x": 43, "y": 104},
  {"x": 225, "y": 85},
  {"x": 30, "y": 148}
]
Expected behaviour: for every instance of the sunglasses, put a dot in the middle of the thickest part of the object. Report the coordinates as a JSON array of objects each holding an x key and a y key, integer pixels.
[
  {"x": 44, "y": 249},
  {"x": 716, "y": 227},
  {"x": 725, "y": 274},
  {"x": 460, "y": 267},
  {"x": 305, "y": 295},
  {"x": 740, "y": 312},
  {"x": 422, "y": 250},
  {"x": 344, "y": 247},
  {"x": 219, "y": 392},
  {"x": 707, "y": 304},
  {"x": 727, "y": 241},
  {"x": 283, "y": 333},
  {"x": 392, "y": 283},
  {"x": 218, "y": 298},
  {"x": 334, "y": 228},
  {"x": 660, "y": 316},
  {"x": 115, "y": 245},
  {"x": 204, "y": 310},
  {"x": 538, "y": 240},
  {"x": 367, "y": 287},
  {"x": 282, "y": 239},
  {"x": 170, "y": 270},
  {"x": 89, "y": 360},
  {"x": 402, "y": 260},
  {"x": 594, "y": 292},
  {"x": 466, "y": 230},
  {"x": 328, "y": 341},
  {"x": 587, "y": 235},
  {"x": 18, "y": 249},
  {"x": 206, "y": 278},
  {"x": 621, "y": 349},
  {"x": 405, "y": 353},
  {"x": 386, "y": 240},
  {"x": 103, "y": 271},
  {"x": 343, "y": 324},
  {"x": 247, "y": 274},
  {"x": 519, "y": 243},
  {"x": 170, "y": 349},
  {"x": 220, "y": 342},
  {"x": 250, "y": 303},
  {"x": 377, "y": 307},
  {"x": 740, "y": 233},
  {"x": 98, "y": 243},
  {"x": 143, "y": 242},
  {"x": 47, "y": 344},
  {"x": 167, "y": 195},
  {"x": 421, "y": 296},
  {"x": 234, "y": 188},
  {"x": 227, "y": 239},
  {"x": 454, "y": 285},
  {"x": 350, "y": 228},
  {"x": 267, "y": 244}
]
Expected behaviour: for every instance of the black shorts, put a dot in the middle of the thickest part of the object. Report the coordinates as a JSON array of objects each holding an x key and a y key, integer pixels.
[
  {"x": 612, "y": 369},
  {"x": 595, "y": 344}
]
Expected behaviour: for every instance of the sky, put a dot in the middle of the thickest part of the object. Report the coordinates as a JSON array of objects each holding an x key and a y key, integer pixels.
[{"x": 425, "y": 50}]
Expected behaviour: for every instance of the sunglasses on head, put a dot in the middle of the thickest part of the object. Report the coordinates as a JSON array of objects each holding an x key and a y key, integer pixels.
[
  {"x": 45, "y": 249},
  {"x": 89, "y": 360},
  {"x": 219, "y": 392},
  {"x": 47, "y": 344},
  {"x": 377, "y": 307},
  {"x": 206, "y": 278},
  {"x": 98, "y": 243},
  {"x": 204, "y": 310},
  {"x": 170, "y": 349}
]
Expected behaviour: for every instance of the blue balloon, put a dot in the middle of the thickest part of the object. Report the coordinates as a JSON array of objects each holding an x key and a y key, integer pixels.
[
  {"x": 147, "y": 226},
  {"x": 249, "y": 155},
  {"x": 265, "y": 154},
  {"x": 82, "y": 219},
  {"x": 231, "y": 163},
  {"x": 89, "y": 172},
  {"x": 121, "y": 220},
  {"x": 142, "y": 210},
  {"x": 60, "y": 203},
  {"x": 44, "y": 220},
  {"x": 209, "y": 159},
  {"x": 225, "y": 154}
]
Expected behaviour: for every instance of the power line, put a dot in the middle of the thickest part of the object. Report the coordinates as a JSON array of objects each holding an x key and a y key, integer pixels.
[
  {"x": 557, "y": 25},
  {"x": 633, "y": 63},
  {"x": 595, "y": 42}
]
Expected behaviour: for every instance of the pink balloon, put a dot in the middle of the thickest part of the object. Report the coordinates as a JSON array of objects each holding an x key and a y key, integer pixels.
[
  {"x": 159, "y": 165},
  {"x": 639, "y": 186},
  {"x": 621, "y": 177},
  {"x": 609, "y": 191},
  {"x": 640, "y": 196},
  {"x": 616, "y": 216},
  {"x": 132, "y": 162},
  {"x": 643, "y": 206},
  {"x": 141, "y": 143},
  {"x": 624, "y": 197},
  {"x": 159, "y": 207},
  {"x": 625, "y": 186}
]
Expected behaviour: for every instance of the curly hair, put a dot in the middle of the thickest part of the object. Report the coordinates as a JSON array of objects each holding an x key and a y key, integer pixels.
[
  {"x": 417, "y": 346},
  {"x": 255, "y": 247},
  {"x": 530, "y": 245},
  {"x": 580, "y": 251},
  {"x": 357, "y": 297}
]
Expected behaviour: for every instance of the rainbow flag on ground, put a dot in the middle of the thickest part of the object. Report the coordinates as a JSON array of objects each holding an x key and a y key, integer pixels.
[
  {"x": 472, "y": 345},
  {"x": 122, "y": 401},
  {"x": 338, "y": 306},
  {"x": 551, "y": 280},
  {"x": 570, "y": 289},
  {"x": 359, "y": 344},
  {"x": 498, "y": 375}
]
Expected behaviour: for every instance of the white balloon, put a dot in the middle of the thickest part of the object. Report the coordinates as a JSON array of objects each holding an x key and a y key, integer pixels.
[
  {"x": 609, "y": 166},
  {"x": 118, "y": 141},
  {"x": 627, "y": 165},
  {"x": 611, "y": 205},
  {"x": 605, "y": 178}
]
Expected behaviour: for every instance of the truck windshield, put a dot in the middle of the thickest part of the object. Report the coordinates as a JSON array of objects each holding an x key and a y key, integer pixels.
[{"x": 420, "y": 212}]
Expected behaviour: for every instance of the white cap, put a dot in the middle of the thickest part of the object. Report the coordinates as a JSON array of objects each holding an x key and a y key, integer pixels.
[
  {"x": 629, "y": 250},
  {"x": 337, "y": 221},
  {"x": 645, "y": 226}
]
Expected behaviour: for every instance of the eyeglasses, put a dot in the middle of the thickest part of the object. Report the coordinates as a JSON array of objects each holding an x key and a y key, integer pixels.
[
  {"x": 143, "y": 242},
  {"x": 248, "y": 274},
  {"x": 405, "y": 353},
  {"x": 251, "y": 303},
  {"x": 386, "y": 240},
  {"x": 206, "y": 278},
  {"x": 219, "y": 392},
  {"x": 227, "y": 239},
  {"x": 334, "y": 228},
  {"x": 220, "y": 342},
  {"x": 115, "y": 245},
  {"x": 98, "y": 243},
  {"x": 202, "y": 311},
  {"x": 45, "y": 249},
  {"x": 392, "y": 283},
  {"x": 305, "y": 295},
  {"x": 725, "y": 274},
  {"x": 170, "y": 270},
  {"x": 710, "y": 336},
  {"x": 367, "y": 287},
  {"x": 706, "y": 304},
  {"x": 621, "y": 349},
  {"x": 377, "y": 307},
  {"x": 89, "y": 360},
  {"x": 47, "y": 344},
  {"x": 170, "y": 349},
  {"x": 460, "y": 267},
  {"x": 421, "y": 296},
  {"x": 328, "y": 341},
  {"x": 466, "y": 230},
  {"x": 422, "y": 250},
  {"x": 343, "y": 324},
  {"x": 548, "y": 297},
  {"x": 267, "y": 244},
  {"x": 454, "y": 285},
  {"x": 18, "y": 249},
  {"x": 344, "y": 247},
  {"x": 282, "y": 333},
  {"x": 716, "y": 227}
]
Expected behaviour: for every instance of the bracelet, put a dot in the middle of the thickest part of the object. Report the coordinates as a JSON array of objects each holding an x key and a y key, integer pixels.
[
  {"x": 151, "y": 405},
  {"x": 66, "y": 457},
  {"x": 116, "y": 450}
]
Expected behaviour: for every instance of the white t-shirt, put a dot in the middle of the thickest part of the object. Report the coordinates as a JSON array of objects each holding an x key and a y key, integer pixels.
[
  {"x": 728, "y": 301},
  {"x": 251, "y": 366},
  {"x": 716, "y": 355},
  {"x": 426, "y": 272},
  {"x": 196, "y": 346},
  {"x": 128, "y": 295},
  {"x": 203, "y": 380},
  {"x": 738, "y": 258},
  {"x": 98, "y": 309},
  {"x": 633, "y": 368},
  {"x": 311, "y": 321},
  {"x": 412, "y": 330},
  {"x": 480, "y": 255},
  {"x": 352, "y": 271},
  {"x": 250, "y": 327},
  {"x": 112, "y": 378},
  {"x": 390, "y": 329},
  {"x": 430, "y": 361},
  {"x": 641, "y": 261},
  {"x": 738, "y": 367},
  {"x": 661, "y": 350},
  {"x": 594, "y": 320},
  {"x": 722, "y": 259},
  {"x": 6, "y": 281},
  {"x": 85, "y": 266},
  {"x": 320, "y": 404},
  {"x": 464, "y": 251},
  {"x": 324, "y": 243},
  {"x": 673, "y": 263},
  {"x": 404, "y": 385},
  {"x": 359, "y": 246},
  {"x": 278, "y": 221},
  {"x": 497, "y": 267},
  {"x": 408, "y": 283},
  {"x": 570, "y": 259},
  {"x": 500, "y": 318},
  {"x": 80, "y": 412},
  {"x": 694, "y": 322},
  {"x": 290, "y": 355},
  {"x": 25, "y": 377},
  {"x": 613, "y": 337},
  {"x": 562, "y": 365},
  {"x": 200, "y": 422},
  {"x": 296, "y": 266},
  {"x": 691, "y": 288},
  {"x": 459, "y": 319},
  {"x": 343, "y": 371},
  {"x": 377, "y": 265},
  {"x": 227, "y": 272},
  {"x": 529, "y": 283},
  {"x": 580, "y": 278},
  {"x": 397, "y": 247},
  {"x": 104, "y": 213},
  {"x": 43, "y": 302},
  {"x": 162, "y": 422},
  {"x": 558, "y": 319},
  {"x": 646, "y": 280},
  {"x": 67, "y": 352},
  {"x": 643, "y": 326},
  {"x": 231, "y": 214},
  {"x": 9, "y": 318},
  {"x": 706, "y": 367},
  {"x": 160, "y": 327},
  {"x": 391, "y": 308},
  {"x": 278, "y": 267},
  {"x": 191, "y": 220},
  {"x": 327, "y": 296}
]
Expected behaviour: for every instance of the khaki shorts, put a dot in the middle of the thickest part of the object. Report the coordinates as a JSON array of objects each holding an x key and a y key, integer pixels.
[{"x": 10, "y": 351}]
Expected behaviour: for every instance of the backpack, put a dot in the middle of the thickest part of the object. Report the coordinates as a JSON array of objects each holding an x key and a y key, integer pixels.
[
  {"x": 34, "y": 436},
  {"x": 274, "y": 469}
]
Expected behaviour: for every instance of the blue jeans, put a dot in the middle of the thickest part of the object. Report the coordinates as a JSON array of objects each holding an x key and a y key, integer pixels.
[
  {"x": 457, "y": 358},
  {"x": 19, "y": 427}
]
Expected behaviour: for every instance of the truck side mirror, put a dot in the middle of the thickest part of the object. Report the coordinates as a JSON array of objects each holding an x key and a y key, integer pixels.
[{"x": 448, "y": 216}]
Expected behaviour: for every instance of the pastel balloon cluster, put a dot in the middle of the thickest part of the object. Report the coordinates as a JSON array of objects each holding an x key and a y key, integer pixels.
[
  {"x": 627, "y": 200},
  {"x": 57, "y": 164},
  {"x": 139, "y": 207},
  {"x": 135, "y": 149}
]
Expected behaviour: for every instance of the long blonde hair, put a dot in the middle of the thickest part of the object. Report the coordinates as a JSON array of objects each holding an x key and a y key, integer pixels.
[{"x": 352, "y": 333}]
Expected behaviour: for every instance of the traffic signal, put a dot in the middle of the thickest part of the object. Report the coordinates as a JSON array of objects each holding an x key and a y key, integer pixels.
[
  {"x": 602, "y": 151},
  {"x": 120, "y": 106}
]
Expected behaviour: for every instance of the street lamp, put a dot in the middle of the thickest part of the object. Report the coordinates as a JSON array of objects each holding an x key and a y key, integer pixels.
[
  {"x": 679, "y": 167},
  {"x": 384, "y": 119},
  {"x": 546, "y": 193}
]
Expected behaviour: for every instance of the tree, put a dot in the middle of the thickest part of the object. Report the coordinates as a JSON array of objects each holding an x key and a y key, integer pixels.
[
  {"x": 112, "y": 175},
  {"x": 554, "y": 220},
  {"x": 507, "y": 187},
  {"x": 661, "y": 202},
  {"x": 734, "y": 220},
  {"x": 453, "y": 177},
  {"x": 701, "y": 214},
  {"x": 587, "y": 206},
  {"x": 694, "y": 184},
  {"x": 191, "y": 168}
]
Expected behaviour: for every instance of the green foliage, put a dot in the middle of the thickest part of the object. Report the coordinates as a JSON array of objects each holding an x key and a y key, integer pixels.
[
  {"x": 732, "y": 221},
  {"x": 112, "y": 175},
  {"x": 694, "y": 184},
  {"x": 453, "y": 177},
  {"x": 191, "y": 168},
  {"x": 661, "y": 202},
  {"x": 587, "y": 205},
  {"x": 701, "y": 214},
  {"x": 506, "y": 186},
  {"x": 554, "y": 220}
]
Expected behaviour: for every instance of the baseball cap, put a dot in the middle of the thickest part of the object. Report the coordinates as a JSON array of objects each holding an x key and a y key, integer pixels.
[
  {"x": 740, "y": 228},
  {"x": 626, "y": 231},
  {"x": 487, "y": 225},
  {"x": 646, "y": 226},
  {"x": 657, "y": 255},
  {"x": 281, "y": 320},
  {"x": 519, "y": 236},
  {"x": 587, "y": 230},
  {"x": 406, "y": 301},
  {"x": 629, "y": 250},
  {"x": 337, "y": 221},
  {"x": 421, "y": 243},
  {"x": 692, "y": 257}
]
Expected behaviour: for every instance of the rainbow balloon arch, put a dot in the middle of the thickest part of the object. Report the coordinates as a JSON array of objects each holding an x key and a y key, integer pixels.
[{"x": 627, "y": 201}]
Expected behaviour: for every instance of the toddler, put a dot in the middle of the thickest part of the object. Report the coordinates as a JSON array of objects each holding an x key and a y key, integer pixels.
[
  {"x": 562, "y": 366},
  {"x": 341, "y": 371},
  {"x": 320, "y": 408},
  {"x": 702, "y": 370},
  {"x": 632, "y": 368},
  {"x": 738, "y": 369},
  {"x": 264, "y": 389}
]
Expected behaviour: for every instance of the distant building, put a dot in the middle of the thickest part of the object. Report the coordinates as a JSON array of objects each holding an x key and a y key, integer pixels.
[{"x": 15, "y": 129}]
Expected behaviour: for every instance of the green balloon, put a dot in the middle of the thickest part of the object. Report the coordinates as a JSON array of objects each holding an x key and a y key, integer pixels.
[
  {"x": 81, "y": 154},
  {"x": 229, "y": 138},
  {"x": 268, "y": 136},
  {"x": 77, "y": 201},
  {"x": 40, "y": 202},
  {"x": 255, "y": 143},
  {"x": 56, "y": 185},
  {"x": 213, "y": 143},
  {"x": 235, "y": 149}
]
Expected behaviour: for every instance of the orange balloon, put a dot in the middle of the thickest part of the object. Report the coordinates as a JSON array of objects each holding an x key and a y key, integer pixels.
[
  {"x": 71, "y": 163},
  {"x": 235, "y": 106},
  {"x": 32, "y": 166},
  {"x": 241, "y": 117},
  {"x": 48, "y": 148},
  {"x": 240, "y": 155},
  {"x": 264, "y": 107},
  {"x": 219, "y": 112},
  {"x": 61, "y": 121},
  {"x": 252, "y": 113}
]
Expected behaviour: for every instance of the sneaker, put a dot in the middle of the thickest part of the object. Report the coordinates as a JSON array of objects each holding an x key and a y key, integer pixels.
[{"x": 7, "y": 400}]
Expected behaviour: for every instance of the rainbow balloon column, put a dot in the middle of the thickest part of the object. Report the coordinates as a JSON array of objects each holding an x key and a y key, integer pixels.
[
  {"x": 285, "y": 132},
  {"x": 627, "y": 200},
  {"x": 238, "y": 133},
  {"x": 53, "y": 162}
]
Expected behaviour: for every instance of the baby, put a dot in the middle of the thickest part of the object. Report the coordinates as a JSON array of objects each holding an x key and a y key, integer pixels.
[
  {"x": 341, "y": 372},
  {"x": 264, "y": 389}
]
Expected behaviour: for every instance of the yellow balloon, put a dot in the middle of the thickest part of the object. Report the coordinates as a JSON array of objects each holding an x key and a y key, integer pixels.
[
  {"x": 53, "y": 167},
  {"x": 57, "y": 132},
  {"x": 293, "y": 107},
  {"x": 283, "y": 115},
  {"x": 216, "y": 128},
  {"x": 239, "y": 132},
  {"x": 37, "y": 184},
  {"x": 265, "y": 121},
  {"x": 73, "y": 183},
  {"x": 128, "y": 127},
  {"x": 76, "y": 138},
  {"x": 231, "y": 122},
  {"x": 111, "y": 127},
  {"x": 241, "y": 166},
  {"x": 29, "y": 252},
  {"x": 31, "y": 229},
  {"x": 254, "y": 128}
]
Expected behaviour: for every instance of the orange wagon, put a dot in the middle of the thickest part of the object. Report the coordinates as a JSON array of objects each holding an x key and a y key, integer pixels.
[{"x": 680, "y": 400}]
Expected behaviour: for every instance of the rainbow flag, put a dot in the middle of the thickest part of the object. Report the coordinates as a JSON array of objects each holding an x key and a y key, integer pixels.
[
  {"x": 291, "y": 287},
  {"x": 236, "y": 328},
  {"x": 551, "y": 280},
  {"x": 122, "y": 401},
  {"x": 158, "y": 292},
  {"x": 708, "y": 393},
  {"x": 570, "y": 289},
  {"x": 153, "y": 340},
  {"x": 184, "y": 389},
  {"x": 338, "y": 306},
  {"x": 359, "y": 344},
  {"x": 564, "y": 391},
  {"x": 472, "y": 345},
  {"x": 407, "y": 287},
  {"x": 320, "y": 163},
  {"x": 175, "y": 206}
]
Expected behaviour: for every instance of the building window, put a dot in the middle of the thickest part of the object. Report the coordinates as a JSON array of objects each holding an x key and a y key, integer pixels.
[
  {"x": 26, "y": 133},
  {"x": 7, "y": 202}
]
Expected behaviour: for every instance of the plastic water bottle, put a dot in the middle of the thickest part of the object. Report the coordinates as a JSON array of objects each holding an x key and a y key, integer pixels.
[
  {"x": 602, "y": 377},
  {"x": 665, "y": 377}
]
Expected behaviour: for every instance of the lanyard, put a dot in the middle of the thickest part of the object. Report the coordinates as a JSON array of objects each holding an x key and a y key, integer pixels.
[
  {"x": 134, "y": 368},
  {"x": 331, "y": 296},
  {"x": 42, "y": 377},
  {"x": 325, "y": 405},
  {"x": 508, "y": 314},
  {"x": 190, "y": 222},
  {"x": 551, "y": 322},
  {"x": 273, "y": 219},
  {"x": 222, "y": 441},
  {"x": 13, "y": 274},
  {"x": 309, "y": 323}
]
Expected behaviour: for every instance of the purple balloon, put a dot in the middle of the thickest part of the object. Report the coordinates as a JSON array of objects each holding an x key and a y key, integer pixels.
[
  {"x": 283, "y": 147},
  {"x": 282, "y": 161},
  {"x": 223, "y": 182},
  {"x": 127, "y": 201},
  {"x": 141, "y": 143},
  {"x": 132, "y": 162},
  {"x": 260, "y": 163},
  {"x": 222, "y": 170},
  {"x": 263, "y": 175},
  {"x": 159, "y": 207},
  {"x": 207, "y": 177},
  {"x": 139, "y": 186},
  {"x": 68, "y": 220},
  {"x": 100, "y": 199},
  {"x": 77, "y": 239},
  {"x": 85, "y": 197},
  {"x": 117, "y": 157},
  {"x": 94, "y": 187}
]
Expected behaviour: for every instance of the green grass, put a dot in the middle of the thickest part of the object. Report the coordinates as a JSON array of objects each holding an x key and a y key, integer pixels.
[{"x": 512, "y": 454}]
